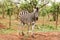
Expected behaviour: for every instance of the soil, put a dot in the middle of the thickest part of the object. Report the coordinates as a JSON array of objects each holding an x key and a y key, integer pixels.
[
  {"x": 2, "y": 26},
  {"x": 35, "y": 36}
]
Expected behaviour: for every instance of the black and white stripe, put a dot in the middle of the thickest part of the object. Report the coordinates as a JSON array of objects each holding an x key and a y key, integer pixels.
[{"x": 23, "y": 12}]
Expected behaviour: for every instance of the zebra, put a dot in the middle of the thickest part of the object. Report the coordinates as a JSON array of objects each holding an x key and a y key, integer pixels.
[{"x": 29, "y": 18}]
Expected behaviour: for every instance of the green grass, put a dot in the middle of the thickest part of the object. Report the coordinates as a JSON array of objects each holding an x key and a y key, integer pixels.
[
  {"x": 7, "y": 31},
  {"x": 46, "y": 28},
  {"x": 39, "y": 28}
]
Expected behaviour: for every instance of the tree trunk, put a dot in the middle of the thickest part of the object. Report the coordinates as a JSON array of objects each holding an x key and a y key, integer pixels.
[
  {"x": 48, "y": 17},
  {"x": 9, "y": 21},
  {"x": 57, "y": 16},
  {"x": 56, "y": 20},
  {"x": 43, "y": 20},
  {"x": 3, "y": 13},
  {"x": 17, "y": 17},
  {"x": 54, "y": 16},
  {"x": 17, "y": 12}
]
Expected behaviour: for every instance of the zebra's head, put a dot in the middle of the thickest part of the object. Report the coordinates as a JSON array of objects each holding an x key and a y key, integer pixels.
[{"x": 36, "y": 13}]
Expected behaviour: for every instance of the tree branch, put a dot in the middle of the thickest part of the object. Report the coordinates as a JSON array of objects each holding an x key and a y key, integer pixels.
[{"x": 44, "y": 5}]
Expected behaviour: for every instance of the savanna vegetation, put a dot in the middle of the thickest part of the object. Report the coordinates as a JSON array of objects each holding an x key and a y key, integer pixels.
[{"x": 49, "y": 15}]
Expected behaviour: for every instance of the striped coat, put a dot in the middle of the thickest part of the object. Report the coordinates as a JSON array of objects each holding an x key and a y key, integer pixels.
[{"x": 28, "y": 18}]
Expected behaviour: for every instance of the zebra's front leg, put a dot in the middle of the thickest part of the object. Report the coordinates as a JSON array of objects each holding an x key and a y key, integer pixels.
[
  {"x": 33, "y": 26},
  {"x": 28, "y": 32}
]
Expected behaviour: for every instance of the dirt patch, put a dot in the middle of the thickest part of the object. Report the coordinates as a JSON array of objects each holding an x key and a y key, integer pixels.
[
  {"x": 35, "y": 36},
  {"x": 47, "y": 36},
  {"x": 10, "y": 37},
  {"x": 2, "y": 26}
]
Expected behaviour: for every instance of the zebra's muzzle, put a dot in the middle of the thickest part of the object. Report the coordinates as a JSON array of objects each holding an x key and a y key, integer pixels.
[{"x": 36, "y": 18}]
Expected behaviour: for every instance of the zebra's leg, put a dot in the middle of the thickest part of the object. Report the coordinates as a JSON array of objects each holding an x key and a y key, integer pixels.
[
  {"x": 19, "y": 28},
  {"x": 33, "y": 25},
  {"x": 28, "y": 28},
  {"x": 22, "y": 28}
]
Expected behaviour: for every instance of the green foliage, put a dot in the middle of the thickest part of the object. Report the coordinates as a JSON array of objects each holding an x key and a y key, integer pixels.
[
  {"x": 26, "y": 7},
  {"x": 9, "y": 11},
  {"x": 34, "y": 3},
  {"x": 54, "y": 7},
  {"x": 43, "y": 12}
]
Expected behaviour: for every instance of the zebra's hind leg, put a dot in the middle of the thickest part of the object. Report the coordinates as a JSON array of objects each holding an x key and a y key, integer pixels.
[{"x": 20, "y": 29}]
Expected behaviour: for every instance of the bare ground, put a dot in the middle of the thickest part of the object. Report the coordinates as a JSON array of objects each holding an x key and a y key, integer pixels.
[{"x": 35, "y": 36}]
